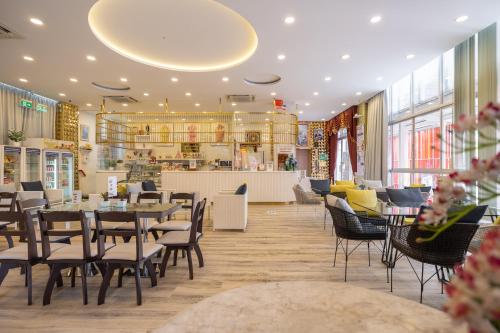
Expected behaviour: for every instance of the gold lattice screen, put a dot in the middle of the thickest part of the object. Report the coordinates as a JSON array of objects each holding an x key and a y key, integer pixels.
[
  {"x": 67, "y": 130},
  {"x": 320, "y": 157}
]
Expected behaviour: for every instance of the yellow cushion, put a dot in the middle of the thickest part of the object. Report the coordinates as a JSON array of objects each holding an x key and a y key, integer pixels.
[
  {"x": 362, "y": 200},
  {"x": 341, "y": 188},
  {"x": 345, "y": 182},
  {"x": 418, "y": 185},
  {"x": 409, "y": 220},
  {"x": 497, "y": 221}
]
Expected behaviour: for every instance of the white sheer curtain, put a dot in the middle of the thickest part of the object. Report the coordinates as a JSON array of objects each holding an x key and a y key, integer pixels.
[
  {"x": 376, "y": 139},
  {"x": 34, "y": 124}
]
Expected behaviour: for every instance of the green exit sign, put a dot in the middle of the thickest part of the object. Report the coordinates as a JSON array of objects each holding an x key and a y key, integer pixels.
[
  {"x": 41, "y": 107},
  {"x": 25, "y": 103}
]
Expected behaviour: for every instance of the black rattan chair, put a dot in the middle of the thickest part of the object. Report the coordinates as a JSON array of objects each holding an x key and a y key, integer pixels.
[
  {"x": 320, "y": 186},
  {"x": 351, "y": 226},
  {"x": 445, "y": 251},
  {"x": 408, "y": 197}
]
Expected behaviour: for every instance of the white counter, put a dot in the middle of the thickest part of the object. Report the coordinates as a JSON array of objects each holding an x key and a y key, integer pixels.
[{"x": 263, "y": 186}]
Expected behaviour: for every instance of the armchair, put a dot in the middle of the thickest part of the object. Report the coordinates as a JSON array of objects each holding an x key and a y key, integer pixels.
[{"x": 230, "y": 211}]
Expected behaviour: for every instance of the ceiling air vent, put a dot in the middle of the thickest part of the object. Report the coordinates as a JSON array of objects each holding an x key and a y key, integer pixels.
[
  {"x": 121, "y": 99},
  {"x": 240, "y": 98},
  {"x": 6, "y": 33}
]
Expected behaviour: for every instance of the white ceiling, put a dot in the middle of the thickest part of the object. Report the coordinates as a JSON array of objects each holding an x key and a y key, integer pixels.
[{"x": 323, "y": 31}]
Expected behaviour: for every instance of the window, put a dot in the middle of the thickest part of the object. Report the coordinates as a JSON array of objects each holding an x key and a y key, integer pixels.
[
  {"x": 426, "y": 83},
  {"x": 400, "y": 95},
  {"x": 448, "y": 72},
  {"x": 427, "y": 141},
  {"x": 401, "y": 142},
  {"x": 343, "y": 164}
]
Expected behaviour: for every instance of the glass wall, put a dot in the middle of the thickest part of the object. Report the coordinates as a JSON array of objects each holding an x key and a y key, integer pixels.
[{"x": 420, "y": 123}]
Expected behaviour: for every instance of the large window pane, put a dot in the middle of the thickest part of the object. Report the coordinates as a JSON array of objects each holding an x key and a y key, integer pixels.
[
  {"x": 448, "y": 71},
  {"x": 426, "y": 83},
  {"x": 401, "y": 91},
  {"x": 400, "y": 180},
  {"x": 447, "y": 138},
  {"x": 401, "y": 141},
  {"x": 428, "y": 179},
  {"x": 427, "y": 142}
]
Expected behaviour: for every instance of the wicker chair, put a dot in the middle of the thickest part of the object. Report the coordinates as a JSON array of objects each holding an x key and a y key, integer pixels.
[
  {"x": 446, "y": 251},
  {"x": 351, "y": 226}
]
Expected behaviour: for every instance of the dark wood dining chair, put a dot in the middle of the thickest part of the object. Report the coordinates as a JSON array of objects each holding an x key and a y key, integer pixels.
[
  {"x": 175, "y": 225},
  {"x": 185, "y": 240},
  {"x": 145, "y": 197},
  {"x": 24, "y": 254},
  {"x": 7, "y": 204},
  {"x": 70, "y": 256},
  {"x": 187, "y": 201},
  {"x": 124, "y": 255}
]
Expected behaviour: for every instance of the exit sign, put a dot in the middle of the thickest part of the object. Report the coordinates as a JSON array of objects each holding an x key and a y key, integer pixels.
[
  {"x": 25, "y": 103},
  {"x": 41, "y": 107}
]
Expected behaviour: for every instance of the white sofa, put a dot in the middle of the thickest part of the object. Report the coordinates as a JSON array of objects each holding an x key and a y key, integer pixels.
[{"x": 230, "y": 211}]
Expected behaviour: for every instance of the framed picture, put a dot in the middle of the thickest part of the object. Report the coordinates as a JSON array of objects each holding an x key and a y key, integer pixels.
[
  {"x": 318, "y": 134},
  {"x": 303, "y": 137},
  {"x": 252, "y": 137},
  {"x": 84, "y": 132},
  {"x": 166, "y": 131},
  {"x": 218, "y": 132},
  {"x": 191, "y": 132}
]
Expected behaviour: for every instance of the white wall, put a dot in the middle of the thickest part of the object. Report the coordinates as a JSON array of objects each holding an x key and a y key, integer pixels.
[{"x": 88, "y": 160}]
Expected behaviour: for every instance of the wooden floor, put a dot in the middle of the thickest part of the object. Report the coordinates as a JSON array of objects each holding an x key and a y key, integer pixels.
[{"x": 282, "y": 243}]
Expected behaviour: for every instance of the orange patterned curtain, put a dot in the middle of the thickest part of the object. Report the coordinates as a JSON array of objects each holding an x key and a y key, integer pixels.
[{"x": 343, "y": 120}]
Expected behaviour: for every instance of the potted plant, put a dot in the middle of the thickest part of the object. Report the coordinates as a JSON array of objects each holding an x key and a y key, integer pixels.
[
  {"x": 119, "y": 164},
  {"x": 112, "y": 165},
  {"x": 16, "y": 137}
]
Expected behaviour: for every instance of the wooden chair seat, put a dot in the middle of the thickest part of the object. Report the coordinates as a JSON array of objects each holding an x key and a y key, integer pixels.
[
  {"x": 127, "y": 251},
  {"x": 75, "y": 252},
  {"x": 174, "y": 225},
  {"x": 176, "y": 237},
  {"x": 20, "y": 251}
]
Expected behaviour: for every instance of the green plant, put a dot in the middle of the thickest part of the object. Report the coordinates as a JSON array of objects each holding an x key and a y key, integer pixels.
[
  {"x": 112, "y": 163},
  {"x": 16, "y": 136}
]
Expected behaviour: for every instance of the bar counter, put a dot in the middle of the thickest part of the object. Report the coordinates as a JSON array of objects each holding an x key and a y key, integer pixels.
[{"x": 263, "y": 186}]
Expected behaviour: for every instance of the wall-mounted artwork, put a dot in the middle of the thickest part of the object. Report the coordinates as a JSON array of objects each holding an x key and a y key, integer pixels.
[
  {"x": 302, "y": 138},
  {"x": 219, "y": 132},
  {"x": 191, "y": 131},
  {"x": 166, "y": 132},
  {"x": 252, "y": 137},
  {"x": 318, "y": 134},
  {"x": 84, "y": 132}
]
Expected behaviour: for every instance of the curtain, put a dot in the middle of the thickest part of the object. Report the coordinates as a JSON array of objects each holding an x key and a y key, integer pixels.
[
  {"x": 352, "y": 139},
  {"x": 374, "y": 155},
  {"x": 13, "y": 117},
  {"x": 332, "y": 147}
]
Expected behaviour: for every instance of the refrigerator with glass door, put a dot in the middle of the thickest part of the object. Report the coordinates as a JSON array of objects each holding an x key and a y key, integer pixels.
[{"x": 10, "y": 170}]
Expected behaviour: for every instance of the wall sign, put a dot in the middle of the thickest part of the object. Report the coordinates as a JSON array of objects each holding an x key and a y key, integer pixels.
[
  {"x": 26, "y": 103},
  {"x": 41, "y": 107}
]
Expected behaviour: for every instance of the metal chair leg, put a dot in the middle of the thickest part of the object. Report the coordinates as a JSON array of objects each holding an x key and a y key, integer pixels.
[
  {"x": 336, "y": 248},
  {"x": 346, "y": 258},
  {"x": 369, "y": 263},
  {"x": 421, "y": 283}
]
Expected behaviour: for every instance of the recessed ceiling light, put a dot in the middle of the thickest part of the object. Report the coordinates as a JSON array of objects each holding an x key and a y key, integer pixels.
[
  {"x": 281, "y": 57},
  {"x": 28, "y": 58},
  {"x": 196, "y": 104},
  {"x": 332, "y": 112},
  {"x": 322, "y": 119},
  {"x": 23, "y": 80},
  {"x": 344, "y": 104},
  {"x": 268, "y": 112},
  {"x": 236, "y": 112},
  {"x": 273, "y": 94},
  {"x": 225, "y": 79},
  {"x": 410, "y": 56},
  {"x": 188, "y": 94},
  {"x": 91, "y": 58},
  {"x": 204, "y": 112},
  {"x": 74, "y": 80},
  {"x": 123, "y": 79},
  {"x": 359, "y": 93},
  {"x": 160, "y": 104},
  {"x": 174, "y": 79},
  {"x": 315, "y": 93},
  {"x": 267, "y": 119},
  {"x": 461, "y": 19},
  {"x": 380, "y": 78},
  {"x": 289, "y": 20},
  {"x": 234, "y": 104},
  {"x": 36, "y": 21},
  {"x": 376, "y": 19},
  {"x": 307, "y": 103},
  {"x": 301, "y": 112},
  {"x": 172, "y": 112},
  {"x": 124, "y": 104},
  {"x": 62, "y": 94},
  {"x": 346, "y": 56},
  {"x": 140, "y": 112},
  {"x": 146, "y": 94},
  {"x": 328, "y": 78},
  {"x": 89, "y": 104}
]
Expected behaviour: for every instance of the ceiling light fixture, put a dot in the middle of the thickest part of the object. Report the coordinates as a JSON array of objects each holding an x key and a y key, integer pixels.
[
  {"x": 315, "y": 93},
  {"x": 322, "y": 119},
  {"x": 62, "y": 94},
  {"x": 74, "y": 80},
  {"x": 160, "y": 104},
  {"x": 225, "y": 79},
  {"x": 376, "y": 19},
  {"x": 28, "y": 58},
  {"x": 281, "y": 57},
  {"x": 196, "y": 104},
  {"x": 123, "y": 79},
  {"x": 461, "y": 19},
  {"x": 410, "y": 56},
  {"x": 344, "y": 104},
  {"x": 301, "y": 112},
  {"x": 23, "y": 80},
  {"x": 36, "y": 21},
  {"x": 91, "y": 58},
  {"x": 273, "y": 94},
  {"x": 140, "y": 112},
  {"x": 188, "y": 94},
  {"x": 146, "y": 94},
  {"x": 380, "y": 78},
  {"x": 233, "y": 104},
  {"x": 359, "y": 93},
  {"x": 124, "y": 104},
  {"x": 174, "y": 79},
  {"x": 268, "y": 112},
  {"x": 332, "y": 112},
  {"x": 346, "y": 56},
  {"x": 89, "y": 104},
  {"x": 289, "y": 20},
  {"x": 328, "y": 78},
  {"x": 307, "y": 103}
]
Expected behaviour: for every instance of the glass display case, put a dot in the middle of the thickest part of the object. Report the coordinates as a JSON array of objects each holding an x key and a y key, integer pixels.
[
  {"x": 140, "y": 172},
  {"x": 66, "y": 175},
  {"x": 12, "y": 166},
  {"x": 51, "y": 169},
  {"x": 32, "y": 165}
]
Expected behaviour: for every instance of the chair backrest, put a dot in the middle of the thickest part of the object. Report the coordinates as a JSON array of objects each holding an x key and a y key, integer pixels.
[
  {"x": 150, "y": 197},
  {"x": 299, "y": 193},
  {"x": 409, "y": 197},
  {"x": 346, "y": 224},
  {"x": 125, "y": 197},
  {"x": 118, "y": 217},
  {"x": 47, "y": 219},
  {"x": 148, "y": 185},
  {"x": 362, "y": 200},
  {"x": 8, "y": 201},
  {"x": 197, "y": 220},
  {"x": 32, "y": 186},
  {"x": 425, "y": 189},
  {"x": 32, "y": 206},
  {"x": 320, "y": 184},
  {"x": 27, "y": 233},
  {"x": 190, "y": 197}
]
